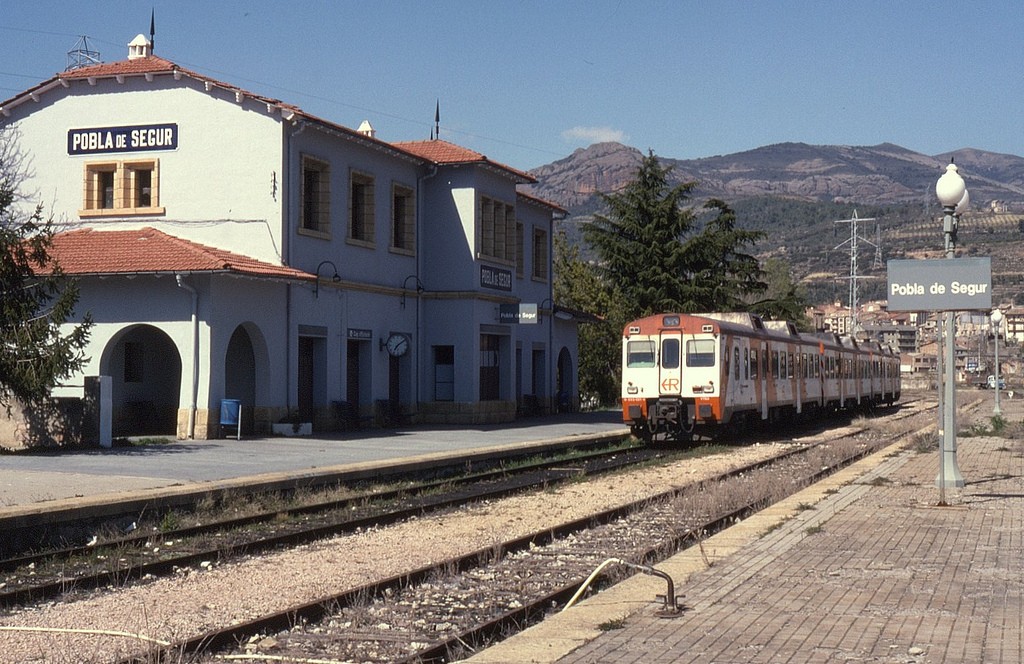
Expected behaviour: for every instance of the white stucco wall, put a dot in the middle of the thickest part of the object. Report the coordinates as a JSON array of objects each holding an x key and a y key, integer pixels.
[{"x": 220, "y": 187}]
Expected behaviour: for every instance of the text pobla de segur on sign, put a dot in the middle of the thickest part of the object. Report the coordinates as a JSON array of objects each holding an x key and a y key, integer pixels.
[{"x": 951, "y": 284}]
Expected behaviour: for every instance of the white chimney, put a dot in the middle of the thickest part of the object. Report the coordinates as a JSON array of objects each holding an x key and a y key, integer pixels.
[
  {"x": 366, "y": 129},
  {"x": 140, "y": 47}
]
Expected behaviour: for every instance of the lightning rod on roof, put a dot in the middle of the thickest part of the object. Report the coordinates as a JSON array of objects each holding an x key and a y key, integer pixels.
[
  {"x": 437, "y": 120},
  {"x": 152, "y": 29}
]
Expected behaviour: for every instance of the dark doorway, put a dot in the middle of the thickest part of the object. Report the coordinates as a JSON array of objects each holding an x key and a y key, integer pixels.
[
  {"x": 490, "y": 367},
  {"x": 240, "y": 375}
]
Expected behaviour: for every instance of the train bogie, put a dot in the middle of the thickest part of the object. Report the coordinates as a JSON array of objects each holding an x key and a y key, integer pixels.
[{"x": 684, "y": 374}]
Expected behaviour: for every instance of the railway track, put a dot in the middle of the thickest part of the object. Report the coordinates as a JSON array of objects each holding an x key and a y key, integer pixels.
[
  {"x": 438, "y": 613},
  {"x": 160, "y": 551},
  {"x": 325, "y": 609}
]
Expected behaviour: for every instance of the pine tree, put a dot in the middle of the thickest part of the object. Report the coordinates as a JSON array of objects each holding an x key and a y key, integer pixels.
[
  {"x": 723, "y": 276},
  {"x": 35, "y": 297},
  {"x": 653, "y": 251},
  {"x": 640, "y": 242}
]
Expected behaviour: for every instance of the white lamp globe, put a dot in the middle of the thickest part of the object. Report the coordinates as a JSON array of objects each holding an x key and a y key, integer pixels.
[
  {"x": 997, "y": 317},
  {"x": 965, "y": 202},
  {"x": 950, "y": 188}
]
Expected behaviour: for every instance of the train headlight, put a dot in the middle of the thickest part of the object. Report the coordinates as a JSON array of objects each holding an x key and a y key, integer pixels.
[
  {"x": 632, "y": 389},
  {"x": 704, "y": 389}
]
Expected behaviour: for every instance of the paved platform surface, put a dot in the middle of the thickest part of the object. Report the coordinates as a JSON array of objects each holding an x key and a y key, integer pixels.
[
  {"x": 864, "y": 567},
  {"x": 43, "y": 480}
]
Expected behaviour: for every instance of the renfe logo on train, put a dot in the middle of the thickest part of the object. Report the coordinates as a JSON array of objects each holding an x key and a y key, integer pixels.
[
  {"x": 947, "y": 284},
  {"x": 136, "y": 138}
]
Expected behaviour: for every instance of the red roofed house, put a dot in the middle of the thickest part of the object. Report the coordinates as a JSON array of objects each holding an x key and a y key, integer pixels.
[{"x": 230, "y": 246}]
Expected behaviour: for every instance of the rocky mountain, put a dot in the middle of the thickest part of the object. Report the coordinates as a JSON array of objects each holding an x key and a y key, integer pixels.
[
  {"x": 883, "y": 174},
  {"x": 796, "y": 193}
]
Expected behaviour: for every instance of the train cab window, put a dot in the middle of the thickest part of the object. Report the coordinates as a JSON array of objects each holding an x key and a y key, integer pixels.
[
  {"x": 789, "y": 370},
  {"x": 640, "y": 354},
  {"x": 736, "y": 362},
  {"x": 746, "y": 364},
  {"x": 670, "y": 354},
  {"x": 700, "y": 353},
  {"x": 753, "y": 363}
]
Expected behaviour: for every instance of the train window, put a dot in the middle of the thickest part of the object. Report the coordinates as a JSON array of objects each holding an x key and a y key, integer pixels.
[
  {"x": 640, "y": 354},
  {"x": 775, "y": 364},
  {"x": 753, "y": 363},
  {"x": 700, "y": 353},
  {"x": 736, "y": 362},
  {"x": 670, "y": 353},
  {"x": 746, "y": 364},
  {"x": 789, "y": 372}
]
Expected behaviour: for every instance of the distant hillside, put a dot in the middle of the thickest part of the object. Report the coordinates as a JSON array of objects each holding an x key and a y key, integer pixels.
[
  {"x": 880, "y": 175},
  {"x": 796, "y": 193}
]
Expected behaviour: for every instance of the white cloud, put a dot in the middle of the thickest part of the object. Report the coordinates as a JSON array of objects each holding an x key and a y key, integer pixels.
[{"x": 588, "y": 135}]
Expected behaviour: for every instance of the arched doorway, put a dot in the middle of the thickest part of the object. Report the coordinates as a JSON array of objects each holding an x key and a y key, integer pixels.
[
  {"x": 145, "y": 370},
  {"x": 240, "y": 374}
]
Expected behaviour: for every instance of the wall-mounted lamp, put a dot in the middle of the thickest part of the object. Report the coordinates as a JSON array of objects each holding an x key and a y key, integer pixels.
[
  {"x": 336, "y": 278},
  {"x": 405, "y": 287}
]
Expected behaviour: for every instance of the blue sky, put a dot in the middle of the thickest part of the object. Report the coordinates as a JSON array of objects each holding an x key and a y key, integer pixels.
[{"x": 527, "y": 82}]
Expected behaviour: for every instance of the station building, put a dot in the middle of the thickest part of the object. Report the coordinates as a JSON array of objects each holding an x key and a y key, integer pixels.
[{"x": 230, "y": 246}]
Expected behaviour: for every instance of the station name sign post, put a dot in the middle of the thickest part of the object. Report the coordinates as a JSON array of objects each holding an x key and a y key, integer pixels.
[{"x": 945, "y": 285}]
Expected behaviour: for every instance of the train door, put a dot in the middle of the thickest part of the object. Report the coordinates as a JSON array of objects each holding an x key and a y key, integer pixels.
[
  {"x": 765, "y": 376},
  {"x": 800, "y": 360},
  {"x": 670, "y": 377},
  {"x": 746, "y": 396}
]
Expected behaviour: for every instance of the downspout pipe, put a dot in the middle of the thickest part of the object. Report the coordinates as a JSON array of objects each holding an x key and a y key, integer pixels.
[
  {"x": 420, "y": 342},
  {"x": 193, "y": 397}
]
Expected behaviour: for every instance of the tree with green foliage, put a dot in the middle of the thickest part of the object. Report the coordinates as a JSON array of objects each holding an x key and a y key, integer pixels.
[
  {"x": 654, "y": 252},
  {"x": 578, "y": 285},
  {"x": 783, "y": 299},
  {"x": 640, "y": 245},
  {"x": 36, "y": 299},
  {"x": 723, "y": 276}
]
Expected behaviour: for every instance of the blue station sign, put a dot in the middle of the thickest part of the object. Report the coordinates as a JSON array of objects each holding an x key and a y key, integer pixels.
[
  {"x": 133, "y": 138},
  {"x": 948, "y": 284},
  {"x": 495, "y": 278}
]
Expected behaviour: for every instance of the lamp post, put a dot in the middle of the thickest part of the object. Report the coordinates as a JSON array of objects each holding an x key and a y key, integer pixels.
[
  {"x": 952, "y": 194},
  {"x": 997, "y": 319}
]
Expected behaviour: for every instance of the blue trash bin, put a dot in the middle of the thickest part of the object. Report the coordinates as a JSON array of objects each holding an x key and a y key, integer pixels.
[{"x": 231, "y": 415}]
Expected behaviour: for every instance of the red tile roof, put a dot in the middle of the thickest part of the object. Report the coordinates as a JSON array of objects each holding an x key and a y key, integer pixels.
[
  {"x": 445, "y": 153},
  {"x": 149, "y": 251},
  {"x": 150, "y": 64},
  {"x": 542, "y": 202}
]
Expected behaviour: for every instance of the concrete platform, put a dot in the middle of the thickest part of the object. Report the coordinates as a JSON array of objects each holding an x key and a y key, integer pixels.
[
  {"x": 861, "y": 567},
  {"x": 33, "y": 483}
]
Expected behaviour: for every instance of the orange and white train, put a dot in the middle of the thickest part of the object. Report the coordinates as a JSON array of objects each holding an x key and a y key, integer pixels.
[{"x": 689, "y": 374}]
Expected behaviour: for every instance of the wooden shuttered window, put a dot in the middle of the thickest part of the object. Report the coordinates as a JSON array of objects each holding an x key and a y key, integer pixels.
[
  {"x": 403, "y": 218},
  {"x": 361, "y": 207},
  {"x": 497, "y": 230},
  {"x": 315, "y": 202}
]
